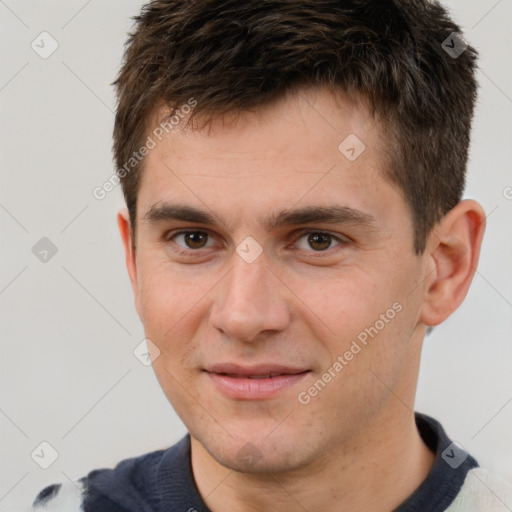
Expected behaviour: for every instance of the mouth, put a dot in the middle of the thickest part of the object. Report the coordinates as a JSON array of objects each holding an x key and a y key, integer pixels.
[
  {"x": 261, "y": 376},
  {"x": 254, "y": 383}
]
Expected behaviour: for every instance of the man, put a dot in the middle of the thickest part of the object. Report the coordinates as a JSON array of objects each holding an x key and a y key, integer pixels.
[{"x": 293, "y": 174}]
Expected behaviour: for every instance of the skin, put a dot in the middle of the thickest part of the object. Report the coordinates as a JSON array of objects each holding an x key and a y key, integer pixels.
[{"x": 355, "y": 445}]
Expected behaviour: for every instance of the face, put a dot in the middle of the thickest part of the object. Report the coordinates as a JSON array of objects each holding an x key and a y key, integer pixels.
[{"x": 300, "y": 267}]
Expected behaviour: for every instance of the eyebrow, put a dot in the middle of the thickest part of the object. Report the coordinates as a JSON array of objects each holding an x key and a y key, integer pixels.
[{"x": 334, "y": 214}]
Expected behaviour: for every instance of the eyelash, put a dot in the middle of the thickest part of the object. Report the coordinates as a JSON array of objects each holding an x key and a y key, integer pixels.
[{"x": 170, "y": 236}]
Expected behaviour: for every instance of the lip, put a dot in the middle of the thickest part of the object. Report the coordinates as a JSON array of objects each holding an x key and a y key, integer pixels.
[{"x": 233, "y": 380}]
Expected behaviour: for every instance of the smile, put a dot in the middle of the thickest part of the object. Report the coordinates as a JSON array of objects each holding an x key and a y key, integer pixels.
[{"x": 254, "y": 386}]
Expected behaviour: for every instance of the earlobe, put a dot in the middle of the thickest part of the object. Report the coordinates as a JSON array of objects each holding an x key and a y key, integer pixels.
[
  {"x": 125, "y": 229},
  {"x": 454, "y": 250}
]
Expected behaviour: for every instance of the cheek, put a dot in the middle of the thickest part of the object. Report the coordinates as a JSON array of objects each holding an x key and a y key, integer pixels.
[
  {"x": 370, "y": 315},
  {"x": 165, "y": 295},
  {"x": 172, "y": 305},
  {"x": 349, "y": 303},
  {"x": 159, "y": 308}
]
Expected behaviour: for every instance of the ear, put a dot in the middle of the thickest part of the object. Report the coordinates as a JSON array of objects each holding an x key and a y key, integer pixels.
[
  {"x": 452, "y": 251},
  {"x": 125, "y": 229}
]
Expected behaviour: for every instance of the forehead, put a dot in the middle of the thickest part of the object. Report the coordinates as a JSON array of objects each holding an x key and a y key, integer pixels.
[
  {"x": 313, "y": 113},
  {"x": 308, "y": 149}
]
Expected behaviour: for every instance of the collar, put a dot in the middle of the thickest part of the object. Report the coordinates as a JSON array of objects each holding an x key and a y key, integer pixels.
[{"x": 443, "y": 483}]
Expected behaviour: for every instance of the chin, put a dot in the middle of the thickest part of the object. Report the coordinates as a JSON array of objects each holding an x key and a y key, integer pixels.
[
  {"x": 248, "y": 458},
  {"x": 254, "y": 451}
]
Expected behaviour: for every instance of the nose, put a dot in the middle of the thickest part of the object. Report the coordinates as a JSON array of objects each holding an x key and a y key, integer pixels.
[{"x": 250, "y": 301}]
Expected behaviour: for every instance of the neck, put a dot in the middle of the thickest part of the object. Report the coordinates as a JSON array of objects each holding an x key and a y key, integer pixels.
[{"x": 380, "y": 470}]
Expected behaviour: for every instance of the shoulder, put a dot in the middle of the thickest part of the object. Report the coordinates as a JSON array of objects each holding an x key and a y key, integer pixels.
[
  {"x": 61, "y": 497},
  {"x": 483, "y": 491},
  {"x": 121, "y": 488}
]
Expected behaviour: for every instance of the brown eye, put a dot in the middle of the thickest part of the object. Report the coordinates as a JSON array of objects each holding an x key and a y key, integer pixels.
[
  {"x": 318, "y": 241},
  {"x": 192, "y": 239}
]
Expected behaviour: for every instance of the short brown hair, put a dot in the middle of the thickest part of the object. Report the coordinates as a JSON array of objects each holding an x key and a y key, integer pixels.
[{"x": 234, "y": 55}]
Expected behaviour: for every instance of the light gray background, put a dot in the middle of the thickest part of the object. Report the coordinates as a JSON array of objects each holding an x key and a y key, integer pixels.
[{"x": 69, "y": 327}]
